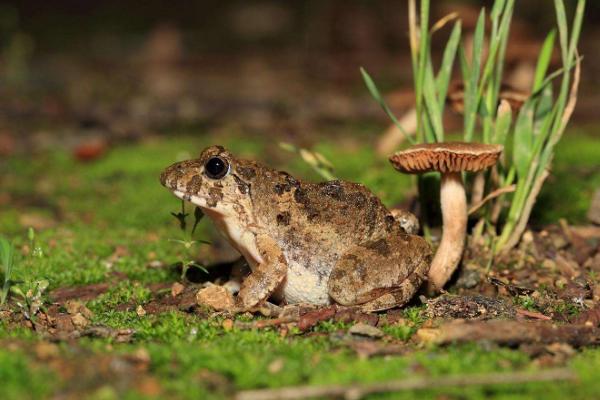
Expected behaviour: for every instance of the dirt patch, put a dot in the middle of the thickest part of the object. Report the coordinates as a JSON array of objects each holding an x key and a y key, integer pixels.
[{"x": 83, "y": 293}]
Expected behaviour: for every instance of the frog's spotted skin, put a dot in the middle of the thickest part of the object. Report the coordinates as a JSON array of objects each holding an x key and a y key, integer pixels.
[{"x": 305, "y": 242}]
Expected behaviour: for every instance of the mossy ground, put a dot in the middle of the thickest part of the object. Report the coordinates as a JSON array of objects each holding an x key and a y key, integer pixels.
[{"x": 88, "y": 210}]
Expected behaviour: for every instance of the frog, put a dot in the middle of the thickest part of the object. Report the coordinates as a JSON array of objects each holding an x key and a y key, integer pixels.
[{"x": 313, "y": 243}]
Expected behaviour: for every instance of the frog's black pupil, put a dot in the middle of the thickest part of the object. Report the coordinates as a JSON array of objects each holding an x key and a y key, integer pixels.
[{"x": 216, "y": 168}]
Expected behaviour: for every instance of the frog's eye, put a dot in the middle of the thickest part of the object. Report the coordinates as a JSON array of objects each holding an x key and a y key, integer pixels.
[{"x": 216, "y": 168}]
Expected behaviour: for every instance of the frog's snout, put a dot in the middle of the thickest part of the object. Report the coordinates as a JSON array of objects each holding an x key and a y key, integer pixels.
[
  {"x": 164, "y": 176},
  {"x": 171, "y": 174}
]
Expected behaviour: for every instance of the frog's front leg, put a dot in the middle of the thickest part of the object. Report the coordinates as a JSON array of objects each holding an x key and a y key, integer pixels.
[
  {"x": 265, "y": 277},
  {"x": 380, "y": 274}
]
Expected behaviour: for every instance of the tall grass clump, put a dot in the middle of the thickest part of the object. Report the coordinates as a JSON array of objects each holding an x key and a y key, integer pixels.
[{"x": 507, "y": 193}]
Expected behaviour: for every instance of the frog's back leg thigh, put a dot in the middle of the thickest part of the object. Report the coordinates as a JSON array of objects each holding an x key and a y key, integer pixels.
[{"x": 380, "y": 274}]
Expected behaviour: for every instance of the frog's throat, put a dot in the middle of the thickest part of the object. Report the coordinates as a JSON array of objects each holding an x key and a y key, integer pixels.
[{"x": 242, "y": 240}]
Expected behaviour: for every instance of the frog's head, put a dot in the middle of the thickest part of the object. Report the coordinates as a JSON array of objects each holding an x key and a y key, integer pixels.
[{"x": 216, "y": 181}]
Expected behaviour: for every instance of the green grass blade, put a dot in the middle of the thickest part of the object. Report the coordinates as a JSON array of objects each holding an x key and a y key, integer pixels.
[
  {"x": 6, "y": 256},
  {"x": 471, "y": 93},
  {"x": 576, "y": 30},
  {"x": 377, "y": 96},
  {"x": 544, "y": 108},
  {"x": 445, "y": 72},
  {"x": 497, "y": 9},
  {"x": 503, "y": 122},
  {"x": 544, "y": 61},
  {"x": 423, "y": 55},
  {"x": 523, "y": 140},
  {"x": 561, "y": 20},
  {"x": 434, "y": 109}
]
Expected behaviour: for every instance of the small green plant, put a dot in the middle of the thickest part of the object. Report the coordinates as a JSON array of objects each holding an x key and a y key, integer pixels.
[
  {"x": 189, "y": 244},
  {"x": 315, "y": 160},
  {"x": 529, "y": 140},
  {"x": 7, "y": 252},
  {"x": 30, "y": 294},
  {"x": 31, "y": 297}
]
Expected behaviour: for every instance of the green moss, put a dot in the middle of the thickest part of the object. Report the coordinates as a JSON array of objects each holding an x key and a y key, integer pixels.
[
  {"x": 117, "y": 203},
  {"x": 21, "y": 379}
]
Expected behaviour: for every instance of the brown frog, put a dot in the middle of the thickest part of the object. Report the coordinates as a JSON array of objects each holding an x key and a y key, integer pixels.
[{"x": 316, "y": 243}]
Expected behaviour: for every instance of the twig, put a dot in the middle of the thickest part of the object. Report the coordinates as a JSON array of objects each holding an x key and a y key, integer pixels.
[
  {"x": 477, "y": 189},
  {"x": 511, "y": 333},
  {"x": 265, "y": 323},
  {"x": 491, "y": 196},
  {"x": 532, "y": 314},
  {"x": 443, "y": 21},
  {"x": 357, "y": 391}
]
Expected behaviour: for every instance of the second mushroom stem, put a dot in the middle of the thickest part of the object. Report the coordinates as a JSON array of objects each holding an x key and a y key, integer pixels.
[{"x": 453, "y": 202}]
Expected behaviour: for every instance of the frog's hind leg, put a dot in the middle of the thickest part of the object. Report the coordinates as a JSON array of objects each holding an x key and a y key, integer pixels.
[
  {"x": 399, "y": 296},
  {"x": 380, "y": 274}
]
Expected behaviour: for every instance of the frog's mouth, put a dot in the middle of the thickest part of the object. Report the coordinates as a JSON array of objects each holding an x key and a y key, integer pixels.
[{"x": 194, "y": 199}]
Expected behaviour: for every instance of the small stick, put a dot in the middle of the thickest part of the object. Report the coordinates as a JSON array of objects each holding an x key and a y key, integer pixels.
[
  {"x": 265, "y": 323},
  {"x": 533, "y": 314},
  {"x": 491, "y": 196},
  {"x": 357, "y": 391}
]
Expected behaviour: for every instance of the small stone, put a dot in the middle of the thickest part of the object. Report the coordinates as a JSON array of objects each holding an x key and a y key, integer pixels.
[
  {"x": 216, "y": 297},
  {"x": 72, "y": 306},
  {"x": 227, "y": 325},
  {"x": 176, "y": 289},
  {"x": 64, "y": 323},
  {"x": 469, "y": 278},
  {"x": 79, "y": 320},
  {"x": 140, "y": 311},
  {"x": 527, "y": 237},
  {"x": 361, "y": 329}
]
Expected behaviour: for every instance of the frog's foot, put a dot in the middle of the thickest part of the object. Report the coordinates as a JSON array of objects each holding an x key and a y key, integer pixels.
[
  {"x": 265, "y": 277},
  {"x": 381, "y": 274}
]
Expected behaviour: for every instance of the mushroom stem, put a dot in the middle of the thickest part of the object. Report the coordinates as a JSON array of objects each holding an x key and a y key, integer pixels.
[{"x": 454, "y": 218}]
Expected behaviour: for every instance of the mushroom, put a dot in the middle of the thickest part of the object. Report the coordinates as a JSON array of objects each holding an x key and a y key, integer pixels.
[{"x": 450, "y": 159}]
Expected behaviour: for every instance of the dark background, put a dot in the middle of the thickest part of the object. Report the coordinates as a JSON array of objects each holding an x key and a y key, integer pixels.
[{"x": 124, "y": 69}]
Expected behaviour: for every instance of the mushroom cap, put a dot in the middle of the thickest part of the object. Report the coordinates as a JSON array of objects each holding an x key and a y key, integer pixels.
[{"x": 446, "y": 157}]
